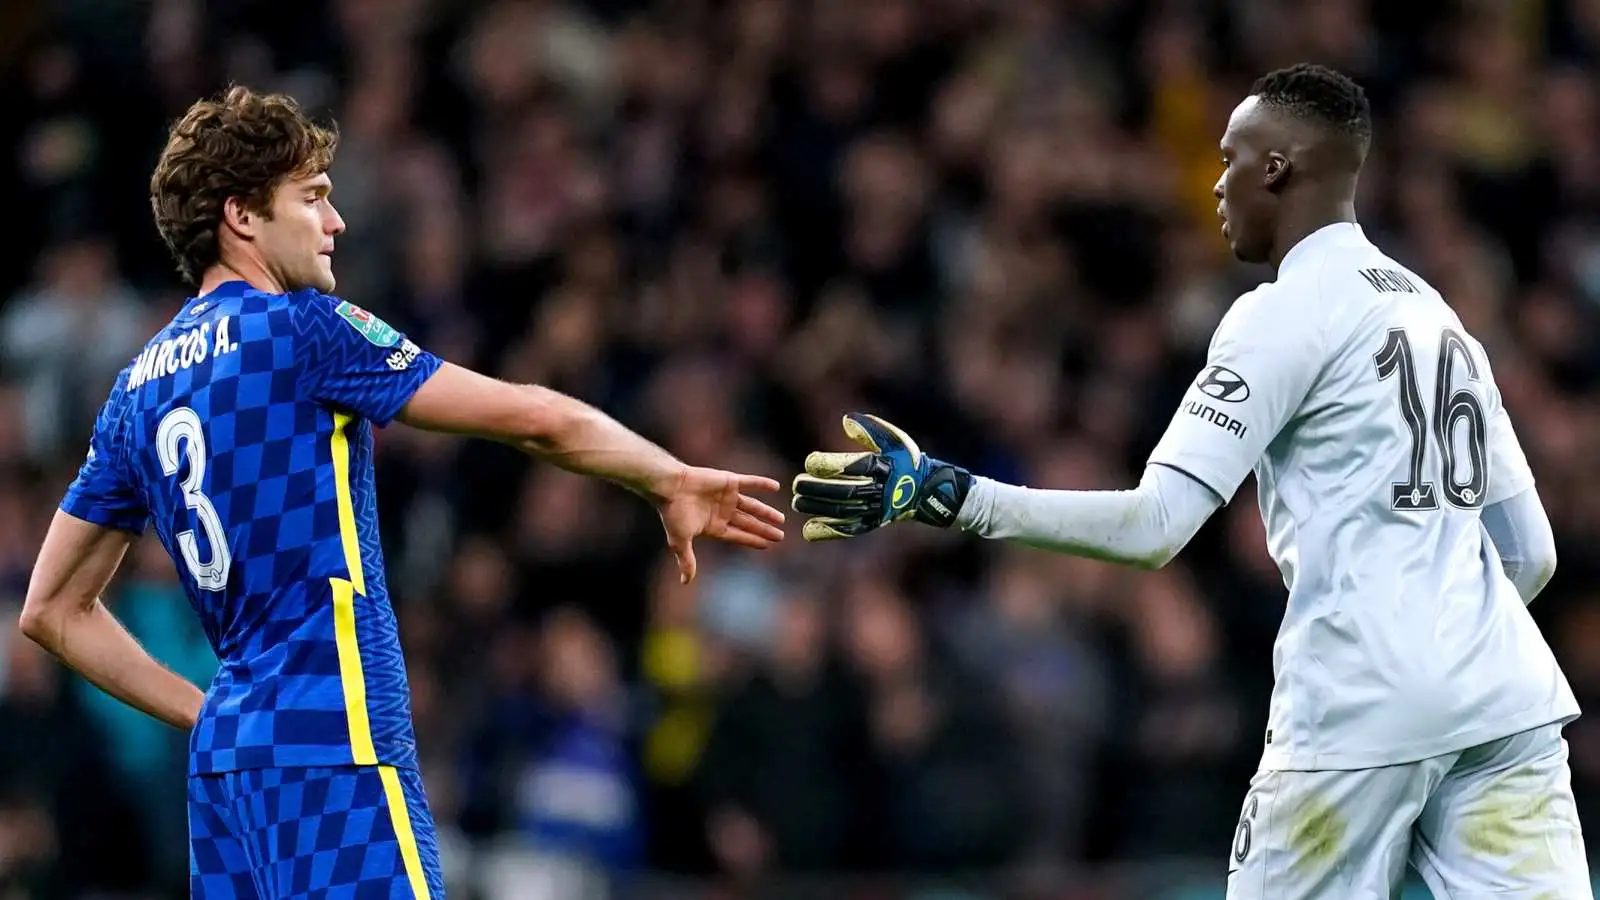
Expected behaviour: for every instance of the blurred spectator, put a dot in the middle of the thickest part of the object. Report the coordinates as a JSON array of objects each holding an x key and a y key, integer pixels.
[
  {"x": 66, "y": 338},
  {"x": 549, "y": 761},
  {"x": 951, "y": 786},
  {"x": 63, "y": 812},
  {"x": 786, "y": 772},
  {"x": 1054, "y": 685},
  {"x": 1184, "y": 729}
]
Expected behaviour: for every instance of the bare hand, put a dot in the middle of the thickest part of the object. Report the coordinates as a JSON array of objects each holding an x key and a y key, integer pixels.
[{"x": 717, "y": 504}]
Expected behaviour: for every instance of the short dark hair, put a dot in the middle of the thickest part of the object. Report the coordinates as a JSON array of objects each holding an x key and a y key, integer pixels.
[
  {"x": 240, "y": 144},
  {"x": 1319, "y": 95}
]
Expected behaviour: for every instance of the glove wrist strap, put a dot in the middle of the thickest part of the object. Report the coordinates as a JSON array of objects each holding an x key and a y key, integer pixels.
[{"x": 942, "y": 495}]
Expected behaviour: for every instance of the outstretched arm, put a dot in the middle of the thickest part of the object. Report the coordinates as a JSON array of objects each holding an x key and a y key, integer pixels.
[
  {"x": 569, "y": 433},
  {"x": 1262, "y": 361},
  {"x": 1144, "y": 527},
  {"x": 64, "y": 615},
  {"x": 545, "y": 424},
  {"x": 853, "y": 492},
  {"x": 1263, "y": 358}
]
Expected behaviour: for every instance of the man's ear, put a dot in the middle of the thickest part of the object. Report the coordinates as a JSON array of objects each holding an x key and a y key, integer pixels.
[
  {"x": 1277, "y": 172},
  {"x": 238, "y": 218}
]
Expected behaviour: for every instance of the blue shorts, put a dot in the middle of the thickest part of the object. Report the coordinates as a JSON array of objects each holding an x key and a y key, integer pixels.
[{"x": 344, "y": 833}]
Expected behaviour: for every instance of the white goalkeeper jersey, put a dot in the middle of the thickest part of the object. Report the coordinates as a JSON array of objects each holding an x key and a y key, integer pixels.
[{"x": 1376, "y": 433}]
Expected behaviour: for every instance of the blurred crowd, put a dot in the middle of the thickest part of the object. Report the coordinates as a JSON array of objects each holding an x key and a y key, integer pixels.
[{"x": 727, "y": 222}]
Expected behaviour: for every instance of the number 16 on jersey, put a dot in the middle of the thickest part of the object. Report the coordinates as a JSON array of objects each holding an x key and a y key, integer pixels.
[{"x": 1451, "y": 410}]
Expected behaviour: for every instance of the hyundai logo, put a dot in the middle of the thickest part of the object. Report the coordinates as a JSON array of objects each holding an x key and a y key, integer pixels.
[{"x": 1223, "y": 383}]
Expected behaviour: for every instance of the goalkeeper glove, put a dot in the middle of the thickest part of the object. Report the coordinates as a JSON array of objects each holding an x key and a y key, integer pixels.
[{"x": 851, "y": 493}]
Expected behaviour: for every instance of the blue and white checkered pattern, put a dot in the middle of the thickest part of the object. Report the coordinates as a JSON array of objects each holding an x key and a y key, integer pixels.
[
  {"x": 336, "y": 833},
  {"x": 285, "y": 389}
]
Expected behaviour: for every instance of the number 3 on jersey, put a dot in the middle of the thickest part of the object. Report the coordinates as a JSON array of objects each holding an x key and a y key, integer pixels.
[
  {"x": 1451, "y": 409},
  {"x": 180, "y": 437}
]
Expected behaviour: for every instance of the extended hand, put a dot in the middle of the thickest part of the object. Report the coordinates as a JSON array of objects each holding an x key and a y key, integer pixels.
[
  {"x": 854, "y": 492},
  {"x": 714, "y": 503}
]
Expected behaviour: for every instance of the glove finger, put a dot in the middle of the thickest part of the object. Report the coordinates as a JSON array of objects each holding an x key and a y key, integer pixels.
[
  {"x": 824, "y": 464},
  {"x": 834, "y": 529},
  {"x": 836, "y": 488},
  {"x": 880, "y": 435},
  {"x": 811, "y": 506}
]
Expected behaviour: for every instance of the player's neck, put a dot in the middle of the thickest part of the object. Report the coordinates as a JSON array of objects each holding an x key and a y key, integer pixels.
[
  {"x": 250, "y": 272},
  {"x": 1300, "y": 224}
]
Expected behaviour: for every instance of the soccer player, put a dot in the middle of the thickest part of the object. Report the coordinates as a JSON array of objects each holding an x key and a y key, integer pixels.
[
  {"x": 243, "y": 432},
  {"x": 1417, "y": 711}
]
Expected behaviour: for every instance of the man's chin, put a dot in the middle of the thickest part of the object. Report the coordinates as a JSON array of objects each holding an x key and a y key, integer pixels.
[
  {"x": 323, "y": 279},
  {"x": 1246, "y": 254}
]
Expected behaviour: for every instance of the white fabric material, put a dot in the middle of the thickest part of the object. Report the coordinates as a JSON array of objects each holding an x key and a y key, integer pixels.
[
  {"x": 1146, "y": 526},
  {"x": 1492, "y": 821},
  {"x": 1522, "y": 537}
]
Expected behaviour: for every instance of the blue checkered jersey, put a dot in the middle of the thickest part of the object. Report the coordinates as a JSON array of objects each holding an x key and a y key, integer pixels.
[{"x": 243, "y": 434}]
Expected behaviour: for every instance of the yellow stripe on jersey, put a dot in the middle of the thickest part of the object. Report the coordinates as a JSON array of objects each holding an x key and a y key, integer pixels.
[
  {"x": 351, "y": 677},
  {"x": 347, "y": 507},
  {"x": 400, "y": 817}
]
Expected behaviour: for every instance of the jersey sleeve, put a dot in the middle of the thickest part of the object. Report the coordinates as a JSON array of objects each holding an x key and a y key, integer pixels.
[
  {"x": 1509, "y": 472},
  {"x": 105, "y": 491},
  {"x": 1522, "y": 537},
  {"x": 1262, "y": 361},
  {"x": 351, "y": 359}
]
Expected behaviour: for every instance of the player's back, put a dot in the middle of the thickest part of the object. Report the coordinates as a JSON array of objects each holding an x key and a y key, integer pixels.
[
  {"x": 243, "y": 431},
  {"x": 1403, "y": 638}
]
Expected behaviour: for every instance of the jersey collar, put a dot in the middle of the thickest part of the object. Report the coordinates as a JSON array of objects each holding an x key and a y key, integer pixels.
[
  {"x": 1327, "y": 236},
  {"x": 224, "y": 291}
]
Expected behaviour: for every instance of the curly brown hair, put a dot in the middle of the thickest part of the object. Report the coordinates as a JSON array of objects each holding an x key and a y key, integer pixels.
[{"x": 241, "y": 144}]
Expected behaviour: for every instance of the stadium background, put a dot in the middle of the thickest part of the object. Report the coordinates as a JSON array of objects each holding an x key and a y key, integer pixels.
[{"x": 727, "y": 222}]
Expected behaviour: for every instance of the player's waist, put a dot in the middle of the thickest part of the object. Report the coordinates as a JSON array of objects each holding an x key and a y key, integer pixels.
[
  {"x": 316, "y": 680},
  {"x": 316, "y": 631},
  {"x": 1420, "y": 704},
  {"x": 302, "y": 721},
  {"x": 1378, "y": 742},
  {"x": 209, "y": 759}
]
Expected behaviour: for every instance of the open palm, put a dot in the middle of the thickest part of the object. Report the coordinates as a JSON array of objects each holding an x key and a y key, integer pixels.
[{"x": 718, "y": 504}]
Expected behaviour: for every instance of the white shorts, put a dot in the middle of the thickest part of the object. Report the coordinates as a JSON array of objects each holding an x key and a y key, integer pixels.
[{"x": 1497, "y": 820}]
